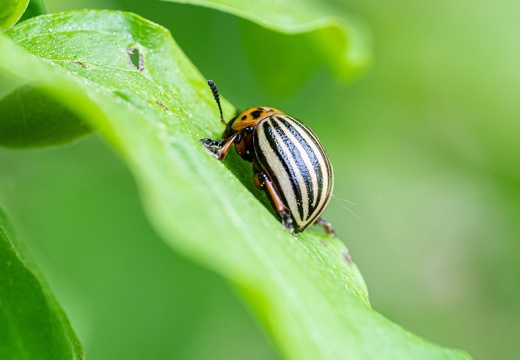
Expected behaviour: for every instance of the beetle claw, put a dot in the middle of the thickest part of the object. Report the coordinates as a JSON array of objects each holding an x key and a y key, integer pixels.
[
  {"x": 213, "y": 151},
  {"x": 214, "y": 147},
  {"x": 326, "y": 225},
  {"x": 210, "y": 143},
  {"x": 287, "y": 222}
]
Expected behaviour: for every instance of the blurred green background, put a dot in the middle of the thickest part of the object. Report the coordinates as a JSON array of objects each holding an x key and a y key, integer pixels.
[{"x": 425, "y": 150}]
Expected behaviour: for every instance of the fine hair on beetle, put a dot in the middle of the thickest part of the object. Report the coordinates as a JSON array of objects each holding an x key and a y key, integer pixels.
[{"x": 340, "y": 201}]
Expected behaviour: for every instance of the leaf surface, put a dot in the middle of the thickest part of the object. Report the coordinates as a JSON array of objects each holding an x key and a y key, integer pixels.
[
  {"x": 340, "y": 38},
  {"x": 33, "y": 324},
  {"x": 11, "y": 11},
  {"x": 128, "y": 79}
]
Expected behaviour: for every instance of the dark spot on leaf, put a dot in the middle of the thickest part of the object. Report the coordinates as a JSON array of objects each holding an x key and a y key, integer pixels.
[
  {"x": 135, "y": 58},
  {"x": 80, "y": 63},
  {"x": 256, "y": 114},
  {"x": 163, "y": 106},
  {"x": 347, "y": 257}
]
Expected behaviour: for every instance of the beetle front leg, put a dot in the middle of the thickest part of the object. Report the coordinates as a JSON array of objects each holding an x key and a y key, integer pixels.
[
  {"x": 219, "y": 149},
  {"x": 211, "y": 143},
  {"x": 326, "y": 225},
  {"x": 262, "y": 182}
]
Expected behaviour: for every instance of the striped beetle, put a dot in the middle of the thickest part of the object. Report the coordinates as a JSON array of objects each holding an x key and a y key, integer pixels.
[{"x": 289, "y": 162}]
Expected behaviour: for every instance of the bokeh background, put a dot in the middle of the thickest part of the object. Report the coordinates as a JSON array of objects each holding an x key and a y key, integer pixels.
[{"x": 425, "y": 148}]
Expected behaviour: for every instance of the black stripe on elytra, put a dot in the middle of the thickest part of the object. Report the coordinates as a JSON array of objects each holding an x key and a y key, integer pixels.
[
  {"x": 270, "y": 135},
  {"x": 328, "y": 169},
  {"x": 278, "y": 143},
  {"x": 282, "y": 127},
  {"x": 323, "y": 153},
  {"x": 313, "y": 136},
  {"x": 310, "y": 149}
]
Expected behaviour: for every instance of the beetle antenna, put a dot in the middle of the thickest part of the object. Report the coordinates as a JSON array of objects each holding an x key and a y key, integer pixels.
[{"x": 216, "y": 96}]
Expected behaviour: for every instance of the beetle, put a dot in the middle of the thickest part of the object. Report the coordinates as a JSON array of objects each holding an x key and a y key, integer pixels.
[{"x": 289, "y": 162}]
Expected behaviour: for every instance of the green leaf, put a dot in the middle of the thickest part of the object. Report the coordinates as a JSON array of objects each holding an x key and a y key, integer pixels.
[
  {"x": 340, "y": 37},
  {"x": 33, "y": 324},
  {"x": 153, "y": 107},
  {"x": 11, "y": 11},
  {"x": 26, "y": 122},
  {"x": 34, "y": 8}
]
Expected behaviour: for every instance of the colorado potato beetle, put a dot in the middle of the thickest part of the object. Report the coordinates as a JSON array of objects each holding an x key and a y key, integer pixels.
[{"x": 289, "y": 162}]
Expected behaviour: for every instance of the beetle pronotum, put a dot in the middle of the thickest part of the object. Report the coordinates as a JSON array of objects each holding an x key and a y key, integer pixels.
[{"x": 289, "y": 162}]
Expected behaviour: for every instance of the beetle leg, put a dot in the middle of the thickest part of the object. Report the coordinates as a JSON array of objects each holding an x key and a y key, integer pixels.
[
  {"x": 210, "y": 142},
  {"x": 262, "y": 182},
  {"x": 219, "y": 149},
  {"x": 326, "y": 225}
]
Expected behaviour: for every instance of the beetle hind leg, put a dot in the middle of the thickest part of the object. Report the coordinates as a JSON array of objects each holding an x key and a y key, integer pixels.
[{"x": 326, "y": 225}]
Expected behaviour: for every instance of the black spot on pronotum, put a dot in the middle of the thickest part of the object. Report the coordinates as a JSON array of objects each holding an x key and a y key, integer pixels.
[
  {"x": 243, "y": 117},
  {"x": 163, "y": 106},
  {"x": 347, "y": 258},
  {"x": 135, "y": 58},
  {"x": 256, "y": 114}
]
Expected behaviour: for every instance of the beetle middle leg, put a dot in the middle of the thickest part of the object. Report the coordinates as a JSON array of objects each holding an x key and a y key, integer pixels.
[{"x": 262, "y": 182}]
